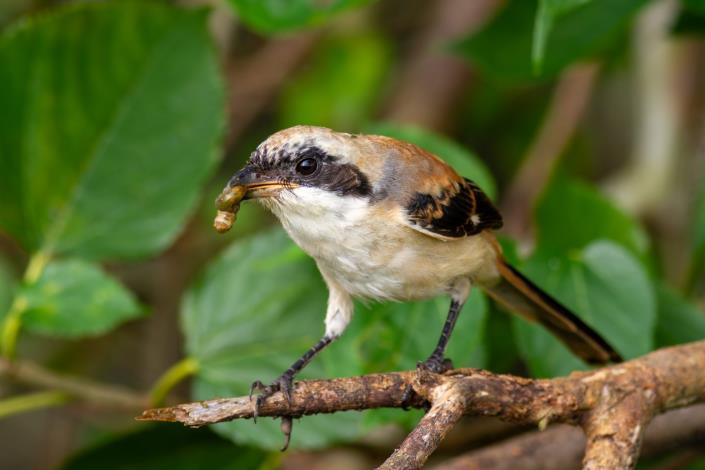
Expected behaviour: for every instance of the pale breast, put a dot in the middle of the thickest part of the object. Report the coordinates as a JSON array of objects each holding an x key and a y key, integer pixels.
[{"x": 377, "y": 256}]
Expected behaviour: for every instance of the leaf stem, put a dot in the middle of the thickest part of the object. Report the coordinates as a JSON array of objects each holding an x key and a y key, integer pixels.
[
  {"x": 31, "y": 401},
  {"x": 36, "y": 266},
  {"x": 11, "y": 326},
  {"x": 175, "y": 374},
  {"x": 13, "y": 320}
]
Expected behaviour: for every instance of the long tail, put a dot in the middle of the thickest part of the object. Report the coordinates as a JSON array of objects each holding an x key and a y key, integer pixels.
[{"x": 522, "y": 296}]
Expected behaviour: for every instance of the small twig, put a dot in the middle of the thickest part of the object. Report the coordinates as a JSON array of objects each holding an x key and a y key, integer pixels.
[
  {"x": 111, "y": 396},
  {"x": 613, "y": 404}
]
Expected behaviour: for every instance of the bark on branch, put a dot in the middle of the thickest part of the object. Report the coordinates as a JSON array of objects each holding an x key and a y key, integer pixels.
[
  {"x": 613, "y": 405},
  {"x": 562, "y": 446}
]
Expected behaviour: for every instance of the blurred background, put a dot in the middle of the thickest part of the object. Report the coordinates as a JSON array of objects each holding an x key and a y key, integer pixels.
[{"x": 120, "y": 122}]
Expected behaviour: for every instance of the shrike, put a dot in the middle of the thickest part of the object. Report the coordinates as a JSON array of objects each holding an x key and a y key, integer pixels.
[{"x": 386, "y": 220}]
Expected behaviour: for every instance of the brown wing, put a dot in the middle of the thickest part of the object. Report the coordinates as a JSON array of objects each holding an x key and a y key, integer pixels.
[{"x": 455, "y": 212}]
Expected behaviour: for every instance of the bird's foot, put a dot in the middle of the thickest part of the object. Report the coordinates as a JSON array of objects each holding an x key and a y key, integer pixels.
[
  {"x": 283, "y": 384},
  {"x": 436, "y": 364}
]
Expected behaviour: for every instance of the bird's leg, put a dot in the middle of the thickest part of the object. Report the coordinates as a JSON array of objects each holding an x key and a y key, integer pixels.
[
  {"x": 437, "y": 362},
  {"x": 285, "y": 382},
  {"x": 338, "y": 315}
]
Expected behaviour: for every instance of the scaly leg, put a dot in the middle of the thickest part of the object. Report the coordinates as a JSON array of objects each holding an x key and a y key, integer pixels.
[
  {"x": 285, "y": 384},
  {"x": 285, "y": 381},
  {"x": 437, "y": 362}
]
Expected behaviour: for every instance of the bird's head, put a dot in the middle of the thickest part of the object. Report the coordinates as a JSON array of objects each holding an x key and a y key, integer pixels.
[
  {"x": 305, "y": 166},
  {"x": 312, "y": 171}
]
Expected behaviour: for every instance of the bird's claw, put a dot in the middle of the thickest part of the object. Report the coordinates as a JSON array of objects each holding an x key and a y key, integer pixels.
[
  {"x": 287, "y": 425},
  {"x": 283, "y": 384},
  {"x": 436, "y": 364},
  {"x": 406, "y": 397}
]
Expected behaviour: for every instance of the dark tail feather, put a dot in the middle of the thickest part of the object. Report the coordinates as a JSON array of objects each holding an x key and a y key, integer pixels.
[{"x": 522, "y": 296}]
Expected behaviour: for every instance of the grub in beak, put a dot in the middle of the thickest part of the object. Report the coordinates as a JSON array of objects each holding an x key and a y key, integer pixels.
[{"x": 228, "y": 204}]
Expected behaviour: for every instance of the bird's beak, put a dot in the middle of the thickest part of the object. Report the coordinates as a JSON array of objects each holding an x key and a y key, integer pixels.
[
  {"x": 247, "y": 183},
  {"x": 256, "y": 184}
]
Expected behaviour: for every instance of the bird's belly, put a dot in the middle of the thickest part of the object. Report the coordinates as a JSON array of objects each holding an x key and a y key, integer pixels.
[
  {"x": 385, "y": 270},
  {"x": 395, "y": 263}
]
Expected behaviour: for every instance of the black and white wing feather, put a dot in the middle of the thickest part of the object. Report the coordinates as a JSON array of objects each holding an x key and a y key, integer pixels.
[{"x": 459, "y": 210}]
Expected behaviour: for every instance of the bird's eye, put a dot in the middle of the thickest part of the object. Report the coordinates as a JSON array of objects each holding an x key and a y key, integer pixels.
[{"x": 306, "y": 166}]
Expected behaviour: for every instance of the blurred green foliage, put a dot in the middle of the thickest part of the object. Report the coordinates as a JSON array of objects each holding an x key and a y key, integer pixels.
[
  {"x": 572, "y": 214},
  {"x": 504, "y": 49},
  {"x": 547, "y": 13},
  {"x": 166, "y": 447},
  {"x": 111, "y": 119},
  {"x": 679, "y": 320},
  {"x": 698, "y": 234},
  {"x": 276, "y": 16},
  {"x": 606, "y": 285},
  {"x": 8, "y": 283},
  {"x": 692, "y": 18},
  {"x": 357, "y": 63}
]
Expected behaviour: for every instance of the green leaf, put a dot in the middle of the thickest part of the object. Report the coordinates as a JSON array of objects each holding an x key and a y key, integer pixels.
[
  {"x": 607, "y": 288},
  {"x": 504, "y": 48},
  {"x": 571, "y": 214},
  {"x": 679, "y": 321},
  {"x": 340, "y": 86},
  {"x": 111, "y": 113},
  {"x": 276, "y": 16},
  {"x": 466, "y": 163},
  {"x": 75, "y": 298},
  {"x": 547, "y": 12},
  {"x": 166, "y": 447}
]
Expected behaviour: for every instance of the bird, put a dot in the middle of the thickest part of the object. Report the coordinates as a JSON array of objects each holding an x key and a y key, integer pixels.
[{"x": 386, "y": 220}]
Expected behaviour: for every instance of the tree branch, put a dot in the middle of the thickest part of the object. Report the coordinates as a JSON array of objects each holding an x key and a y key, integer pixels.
[
  {"x": 613, "y": 405},
  {"x": 614, "y": 431},
  {"x": 111, "y": 396},
  {"x": 562, "y": 446},
  {"x": 448, "y": 407}
]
